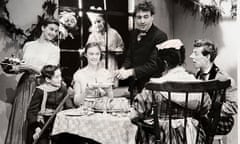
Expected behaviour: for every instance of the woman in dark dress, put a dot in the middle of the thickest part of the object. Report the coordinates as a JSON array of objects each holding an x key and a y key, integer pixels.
[{"x": 45, "y": 100}]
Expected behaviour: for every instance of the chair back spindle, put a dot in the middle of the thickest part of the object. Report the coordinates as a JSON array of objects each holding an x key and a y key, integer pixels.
[{"x": 214, "y": 88}]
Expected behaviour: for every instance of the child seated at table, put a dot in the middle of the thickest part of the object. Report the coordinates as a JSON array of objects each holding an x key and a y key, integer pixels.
[
  {"x": 93, "y": 81},
  {"x": 44, "y": 102}
]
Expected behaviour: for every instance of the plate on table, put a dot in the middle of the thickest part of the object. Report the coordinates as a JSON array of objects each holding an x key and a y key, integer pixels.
[
  {"x": 75, "y": 112},
  {"x": 110, "y": 110}
]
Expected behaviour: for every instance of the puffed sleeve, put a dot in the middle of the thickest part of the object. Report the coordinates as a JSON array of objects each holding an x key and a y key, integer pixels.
[
  {"x": 119, "y": 45},
  {"x": 26, "y": 53},
  {"x": 78, "y": 88},
  {"x": 91, "y": 38}
]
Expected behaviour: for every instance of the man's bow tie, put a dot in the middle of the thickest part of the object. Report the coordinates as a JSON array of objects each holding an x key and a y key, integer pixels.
[{"x": 141, "y": 34}]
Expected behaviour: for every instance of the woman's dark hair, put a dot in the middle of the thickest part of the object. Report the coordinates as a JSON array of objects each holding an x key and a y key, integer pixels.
[
  {"x": 36, "y": 30},
  {"x": 48, "y": 71},
  {"x": 48, "y": 21},
  {"x": 93, "y": 44},
  {"x": 145, "y": 6},
  {"x": 170, "y": 58}
]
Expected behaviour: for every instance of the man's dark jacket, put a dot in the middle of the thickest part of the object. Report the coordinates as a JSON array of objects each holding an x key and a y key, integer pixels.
[{"x": 142, "y": 55}]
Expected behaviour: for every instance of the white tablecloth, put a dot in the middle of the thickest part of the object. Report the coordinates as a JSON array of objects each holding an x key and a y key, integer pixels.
[{"x": 103, "y": 128}]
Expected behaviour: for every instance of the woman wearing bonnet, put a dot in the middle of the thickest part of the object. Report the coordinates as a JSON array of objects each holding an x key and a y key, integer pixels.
[
  {"x": 98, "y": 32},
  {"x": 172, "y": 56},
  {"x": 70, "y": 43},
  {"x": 68, "y": 21}
]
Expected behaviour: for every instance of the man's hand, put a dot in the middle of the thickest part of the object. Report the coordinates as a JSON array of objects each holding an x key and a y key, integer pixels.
[{"x": 123, "y": 73}]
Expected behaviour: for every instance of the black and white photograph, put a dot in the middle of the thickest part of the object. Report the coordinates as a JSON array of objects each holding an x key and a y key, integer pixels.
[{"x": 119, "y": 71}]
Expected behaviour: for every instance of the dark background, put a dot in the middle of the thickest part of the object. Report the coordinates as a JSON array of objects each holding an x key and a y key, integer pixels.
[{"x": 117, "y": 17}]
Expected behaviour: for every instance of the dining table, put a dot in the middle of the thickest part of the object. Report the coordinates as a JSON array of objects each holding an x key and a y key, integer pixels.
[{"x": 105, "y": 127}]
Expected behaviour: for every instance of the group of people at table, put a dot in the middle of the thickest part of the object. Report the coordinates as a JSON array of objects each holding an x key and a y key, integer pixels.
[{"x": 150, "y": 57}]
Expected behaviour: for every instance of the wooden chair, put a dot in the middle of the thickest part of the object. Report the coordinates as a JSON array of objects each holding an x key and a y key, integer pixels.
[{"x": 216, "y": 89}]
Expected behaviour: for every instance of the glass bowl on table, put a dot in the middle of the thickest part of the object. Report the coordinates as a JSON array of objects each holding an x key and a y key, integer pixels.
[
  {"x": 89, "y": 102},
  {"x": 99, "y": 89}
]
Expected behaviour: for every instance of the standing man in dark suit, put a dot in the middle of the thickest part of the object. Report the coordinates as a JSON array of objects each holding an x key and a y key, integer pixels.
[
  {"x": 203, "y": 56},
  {"x": 140, "y": 63}
]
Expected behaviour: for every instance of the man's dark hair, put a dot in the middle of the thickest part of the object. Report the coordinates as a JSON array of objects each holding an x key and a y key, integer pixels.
[
  {"x": 145, "y": 6},
  {"x": 209, "y": 48}
]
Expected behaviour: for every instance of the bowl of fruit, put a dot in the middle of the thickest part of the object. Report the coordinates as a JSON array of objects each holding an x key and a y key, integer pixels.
[{"x": 8, "y": 64}]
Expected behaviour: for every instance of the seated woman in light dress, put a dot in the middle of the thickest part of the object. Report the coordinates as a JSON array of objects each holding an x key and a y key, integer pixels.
[
  {"x": 92, "y": 81},
  {"x": 99, "y": 31},
  {"x": 172, "y": 56}
]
